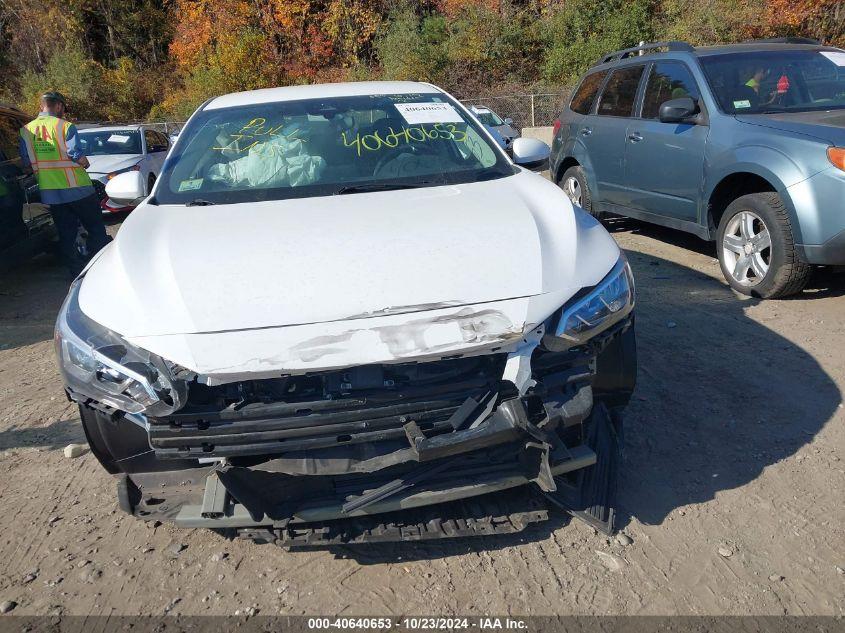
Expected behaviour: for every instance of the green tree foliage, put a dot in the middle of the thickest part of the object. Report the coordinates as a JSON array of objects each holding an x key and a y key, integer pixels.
[
  {"x": 578, "y": 32},
  {"x": 132, "y": 59},
  {"x": 70, "y": 72},
  {"x": 709, "y": 21},
  {"x": 472, "y": 49},
  {"x": 412, "y": 47}
]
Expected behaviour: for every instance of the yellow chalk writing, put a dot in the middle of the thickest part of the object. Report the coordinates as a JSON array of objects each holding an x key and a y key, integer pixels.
[{"x": 414, "y": 134}]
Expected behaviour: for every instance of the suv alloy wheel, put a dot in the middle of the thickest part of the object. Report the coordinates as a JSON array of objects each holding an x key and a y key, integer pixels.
[
  {"x": 756, "y": 248},
  {"x": 574, "y": 185}
]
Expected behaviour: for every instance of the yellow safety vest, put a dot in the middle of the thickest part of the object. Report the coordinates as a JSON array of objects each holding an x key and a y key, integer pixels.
[{"x": 46, "y": 145}]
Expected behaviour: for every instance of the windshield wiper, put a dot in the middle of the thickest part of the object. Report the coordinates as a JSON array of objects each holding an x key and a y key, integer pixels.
[
  {"x": 386, "y": 186},
  {"x": 199, "y": 202},
  {"x": 489, "y": 174}
]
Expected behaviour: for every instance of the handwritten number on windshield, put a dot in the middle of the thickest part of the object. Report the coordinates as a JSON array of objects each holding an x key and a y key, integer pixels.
[{"x": 418, "y": 134}]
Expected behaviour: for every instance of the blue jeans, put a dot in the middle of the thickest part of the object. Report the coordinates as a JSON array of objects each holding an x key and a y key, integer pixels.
[{"x": 67, "y": 218}]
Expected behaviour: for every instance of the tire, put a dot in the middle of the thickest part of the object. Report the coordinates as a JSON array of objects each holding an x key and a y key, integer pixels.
[
  {"x": 753, "y": 264},
  {"x": 579, "y": 196},
  {"x": 151, "y": 180}
]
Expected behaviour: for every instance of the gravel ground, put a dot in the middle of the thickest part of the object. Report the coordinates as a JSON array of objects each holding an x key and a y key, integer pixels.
[{"x": 731, "y": 495}]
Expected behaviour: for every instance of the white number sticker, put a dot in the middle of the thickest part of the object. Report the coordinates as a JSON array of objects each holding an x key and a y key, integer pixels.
[
  {"x": 835, "y": 56},
  {"x": 415, "y": 113}
]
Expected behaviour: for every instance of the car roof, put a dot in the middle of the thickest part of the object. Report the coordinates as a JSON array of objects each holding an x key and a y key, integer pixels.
[
  {"x": 317, "y": 91},
  {"x": 10, "y": 109},
  {"x": 754, "y": 47},
  {"x": 651, "y": 51},
  {"x": 111, "y": 128},
  {"x": 480, "y": 109}
]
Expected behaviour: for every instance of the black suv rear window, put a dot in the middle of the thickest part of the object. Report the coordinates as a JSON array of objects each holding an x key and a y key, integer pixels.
[
  {"x": 621, "y": 92},
  {"x": 583, "y": 99}
]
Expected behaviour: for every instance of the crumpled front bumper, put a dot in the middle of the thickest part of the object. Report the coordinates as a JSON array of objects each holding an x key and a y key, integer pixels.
[
  {"x": 504, "y": 451},
  {"x": 445, "y": 450}
]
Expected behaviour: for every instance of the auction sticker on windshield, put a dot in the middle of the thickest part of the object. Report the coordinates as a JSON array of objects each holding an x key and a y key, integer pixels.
[
  {"x": 836, "y": 57},
  {"x": 190, "y": 185},
  {"x": 415, "y": 113}
]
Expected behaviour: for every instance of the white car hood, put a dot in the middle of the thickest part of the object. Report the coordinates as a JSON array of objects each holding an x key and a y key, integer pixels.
[
  {"x": 323, "y": 282},
  {"x": 112, "y": 162}
]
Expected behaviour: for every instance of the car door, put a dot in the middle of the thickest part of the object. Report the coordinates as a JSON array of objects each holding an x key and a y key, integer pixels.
[
  {"x": 605, "y": 132},
  {"x": 157, "y": 146},
  {"x": 664, "y": 162}
]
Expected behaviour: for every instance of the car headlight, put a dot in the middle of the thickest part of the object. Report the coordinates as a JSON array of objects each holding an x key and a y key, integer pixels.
[
  {"x": 112, "y": 174},
  {"x": 99, "y": 364},
  {"x": 608, "y": 303}
]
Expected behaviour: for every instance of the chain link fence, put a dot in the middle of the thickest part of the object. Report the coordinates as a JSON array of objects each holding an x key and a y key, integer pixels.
[
  {"x": 166, "y": 127},
  {"x": 526, "y": 110}
]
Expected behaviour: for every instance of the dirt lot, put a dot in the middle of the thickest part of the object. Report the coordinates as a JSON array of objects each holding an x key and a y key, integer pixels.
[{"x": 735, "y": 443}]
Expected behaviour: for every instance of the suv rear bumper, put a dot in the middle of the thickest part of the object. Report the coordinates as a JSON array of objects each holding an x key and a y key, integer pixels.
[
  {"x": 820, "y": 216},
  {"x": 831, "y": 253}
]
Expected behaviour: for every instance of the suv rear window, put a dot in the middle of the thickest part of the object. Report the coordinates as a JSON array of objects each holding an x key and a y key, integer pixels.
[
  {"x": 620, "y": 92},
  {"x": 582, "y": 100},
  {"x": 668, "y": 80}
]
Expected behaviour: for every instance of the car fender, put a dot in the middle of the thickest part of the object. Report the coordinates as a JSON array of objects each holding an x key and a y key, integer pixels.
[
  {"x": 574, "y": 148},
  {"x": 773, "y": 165}
]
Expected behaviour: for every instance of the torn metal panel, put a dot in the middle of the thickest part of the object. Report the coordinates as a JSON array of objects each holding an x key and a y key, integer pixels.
[
  {"x": 255, "y": 354},
  {"x": 518, "y": 367}
]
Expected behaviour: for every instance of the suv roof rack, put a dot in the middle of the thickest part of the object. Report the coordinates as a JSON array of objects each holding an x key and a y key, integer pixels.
[
  {"x": 784, "y": 40},
  {"x": 628, "y": 52}
]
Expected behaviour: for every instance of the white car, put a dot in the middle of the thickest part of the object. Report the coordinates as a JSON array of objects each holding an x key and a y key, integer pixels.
[
  {"x": 342, "y": 301},
  {"x": 113, "y": 150},
  {"x": 501, "y": 129}
]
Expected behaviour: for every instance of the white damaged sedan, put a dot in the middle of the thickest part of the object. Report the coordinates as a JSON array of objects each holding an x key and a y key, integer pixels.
[{"x": 344, "y": 315}]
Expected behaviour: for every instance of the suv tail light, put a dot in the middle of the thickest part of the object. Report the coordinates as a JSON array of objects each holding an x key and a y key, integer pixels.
[{"x": 556, "y": 127}]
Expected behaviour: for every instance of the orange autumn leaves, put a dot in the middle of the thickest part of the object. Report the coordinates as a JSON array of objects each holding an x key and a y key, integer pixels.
[{"x": 297, "y": 38}]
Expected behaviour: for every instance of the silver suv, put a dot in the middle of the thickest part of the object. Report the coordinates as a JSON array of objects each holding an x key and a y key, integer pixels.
[{"x": 741, "y": 144}]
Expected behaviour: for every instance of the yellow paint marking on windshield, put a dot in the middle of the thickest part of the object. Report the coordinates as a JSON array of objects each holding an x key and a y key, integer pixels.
[
  {"x": 255, "y": 132},
  {"x": 415, "y": 134}
]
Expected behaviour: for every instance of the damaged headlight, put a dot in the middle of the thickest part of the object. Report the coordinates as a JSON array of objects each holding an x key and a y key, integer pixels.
[
  {"x": 99, "y": 364},
  {"x": 609, "y": 302}
]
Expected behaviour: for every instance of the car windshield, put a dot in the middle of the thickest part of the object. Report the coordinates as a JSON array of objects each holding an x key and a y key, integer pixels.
[
  {"x": 777, "y": 81},
  {"x": 288, "y": 149},
  {"x": 108, "y": 142},
  {"x": 488, "y": 117}
]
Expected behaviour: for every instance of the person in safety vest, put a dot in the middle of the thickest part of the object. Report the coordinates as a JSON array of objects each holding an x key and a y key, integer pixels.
[
  {"x": 49, "y": 145},
  {"x": 756, "y": 79}
]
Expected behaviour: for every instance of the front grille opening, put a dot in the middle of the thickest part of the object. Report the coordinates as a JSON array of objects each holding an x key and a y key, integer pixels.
[
  {"x": 386, "y": 381},
  {"x": 354, "y": 406}
]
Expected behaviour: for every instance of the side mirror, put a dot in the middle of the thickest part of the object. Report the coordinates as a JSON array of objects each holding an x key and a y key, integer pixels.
[
  {"x": 126, "y": 189},
  {"x": 530, "y": 153},
  {"x": 509, "y": 121},
  {"x": 678, "y": 110}
]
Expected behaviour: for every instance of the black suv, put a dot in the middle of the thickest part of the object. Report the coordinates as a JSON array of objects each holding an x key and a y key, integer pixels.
[
  {"x": 741, "y": 144},
  {"x": 25, "y": 224}
]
